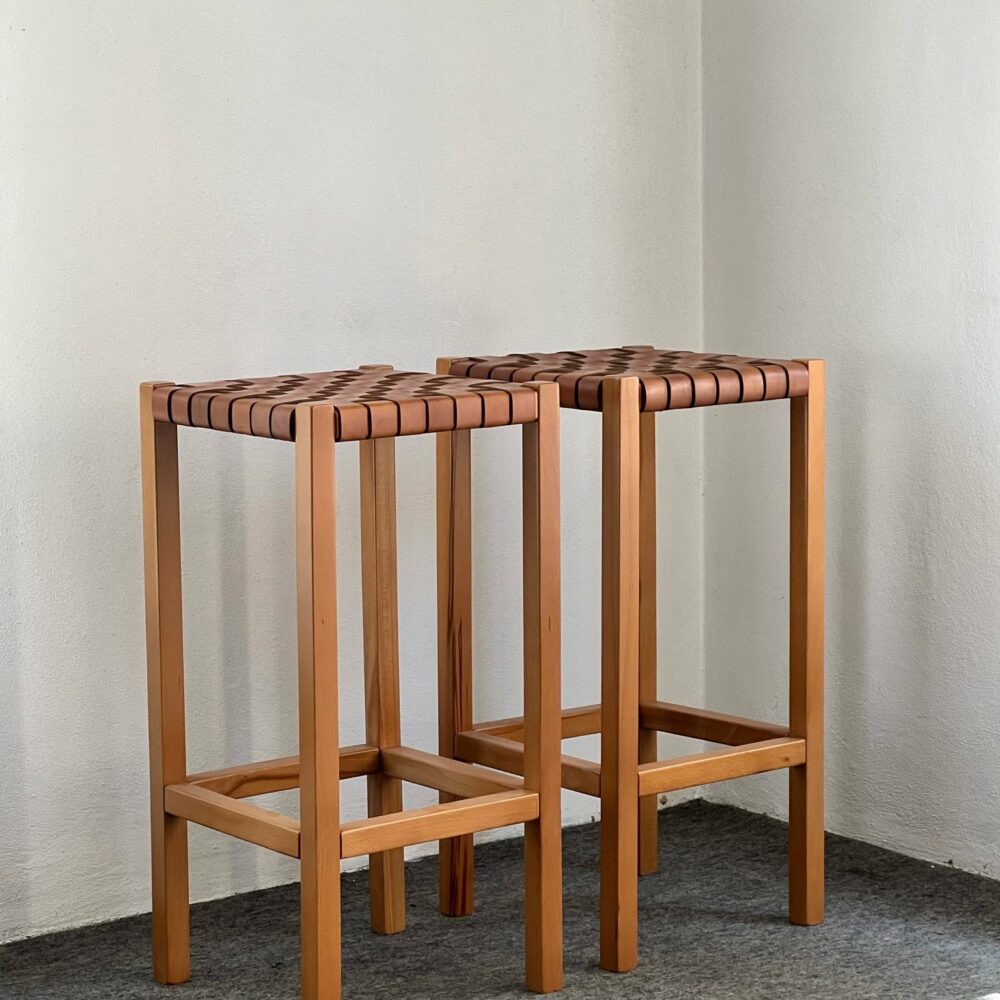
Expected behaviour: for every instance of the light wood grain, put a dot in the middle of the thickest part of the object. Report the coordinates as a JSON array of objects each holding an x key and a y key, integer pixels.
[
  {"x": 315, "y": 524},
  {"x": 456, "y": 777},
  {"x": 584, "y": 720},
  {"x": 266, "y": 776},
  {"x": 720, "y": 765},
  {"x": 701, "y": 724},
  {"x": 620, "y": 676},
  {"x": 380, "y": 615},
  {"x": 454, "y": 605},
  {"x": 805, "y": 716},
  {"x": 542, "y": 705},
  {"x": 165, "y": 687},
  {"x": 577, "y": 774},
  {"x": 648, "y": 830},
  {"x": 450, "y": 819},
  {"x": 238, "y": 819}
]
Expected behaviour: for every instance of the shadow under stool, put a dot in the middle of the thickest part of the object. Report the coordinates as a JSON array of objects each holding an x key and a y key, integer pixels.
[
  {"x": 628, "y": 386},
  {"x": 372, "y": 405}
]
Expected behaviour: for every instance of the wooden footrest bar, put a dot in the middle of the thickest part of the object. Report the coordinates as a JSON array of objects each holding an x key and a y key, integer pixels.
[
  {"x": 455, "y": 777},
  {"x": 238, "y": 819},
  {"x": 757, "y": 747},
  {"x": 506, "y": 754},
  {"x": 720, "y": 765},
  {"x": 490, "y": 800},
  {"x": 246, "y": 780},
  {"x": 700, "y": 724},
  {"x": 664, "y": 717},
  {"x": 582, "y": 721},
  {"x": 452, "y": 819}
]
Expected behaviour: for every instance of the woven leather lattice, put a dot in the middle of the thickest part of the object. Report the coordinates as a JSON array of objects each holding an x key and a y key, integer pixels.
[
  {"x": 670, "y": 380},
  {"x": 368, "y": 403}
]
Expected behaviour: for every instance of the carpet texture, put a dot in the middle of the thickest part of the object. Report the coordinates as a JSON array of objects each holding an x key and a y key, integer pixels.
[{"x": 712, "y": 927}]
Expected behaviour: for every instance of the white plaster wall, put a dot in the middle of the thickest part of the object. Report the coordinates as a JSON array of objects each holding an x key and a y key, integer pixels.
[
  {"x": 852, "y": 212},
  {"x": 194, "y": 190}
]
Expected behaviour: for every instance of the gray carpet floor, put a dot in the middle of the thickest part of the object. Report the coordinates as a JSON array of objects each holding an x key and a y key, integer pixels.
[{"x": 712, "y": 927}]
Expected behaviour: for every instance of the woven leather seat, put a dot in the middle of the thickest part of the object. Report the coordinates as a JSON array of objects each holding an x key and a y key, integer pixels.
[
  {"x": 370, "y": 403},
  {"x": 670, "y": 380}
]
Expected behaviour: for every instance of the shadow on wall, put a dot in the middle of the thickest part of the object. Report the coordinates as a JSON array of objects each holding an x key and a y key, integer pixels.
[
  {"x": 238, "y": 553},
  {"x": 910, "y": 692},
  {"x": 52, "y": 699},
  {"x": 231, "y": 666},
  {"x": 15, "y": 856}
]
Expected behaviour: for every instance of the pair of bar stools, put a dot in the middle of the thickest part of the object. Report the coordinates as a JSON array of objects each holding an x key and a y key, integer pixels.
[{"x": 489, "y": 774}]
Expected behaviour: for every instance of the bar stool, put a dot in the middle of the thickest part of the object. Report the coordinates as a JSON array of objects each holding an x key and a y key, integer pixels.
[
  {"x": 629, "y": 386},
  {"x": 372, "y": 405}
]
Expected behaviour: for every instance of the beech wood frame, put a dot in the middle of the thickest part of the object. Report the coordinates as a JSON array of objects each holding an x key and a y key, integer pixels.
[
  {"x": 630, "y": 775},
  {"x": 473, "y": 797}
]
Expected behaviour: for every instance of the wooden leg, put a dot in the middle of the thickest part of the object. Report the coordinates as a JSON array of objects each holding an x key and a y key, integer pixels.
[
  {"x": 454, "y": 602},
  {"x": 319, "y": 766},
  {"x": 542, "y": 708},
  {"x": 620, "y": 677},
  {"x": 381, "y": 631},
  {"x": 165, "y": 667},
  {"x": 805, "y": 785},
  {"x": 648, "y": 834}
]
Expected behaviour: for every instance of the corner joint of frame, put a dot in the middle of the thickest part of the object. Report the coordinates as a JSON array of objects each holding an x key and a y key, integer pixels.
[
  {"x": 146, "y": 394},
  {"x": 816, "y": 368},
  {"x": 146, "y": 388},
  {"x": 307, "y": 414},
  {"x": 625, "y": 389},
  {"x": 543, "y": 389}
]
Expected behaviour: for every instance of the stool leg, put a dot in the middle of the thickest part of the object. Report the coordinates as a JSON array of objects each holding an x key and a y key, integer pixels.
[
  {"x": 454, "y": 605},
  {"x": 165, "y": 667},
  {"x": 381, "y": 632},
  {"x": 542, "y": 706},
  {"x": 620, "y": 676},
  {"x": 805, "y": 809},
  {"x": 319, "y": 767},
  {"x": 648, "y": 833}
]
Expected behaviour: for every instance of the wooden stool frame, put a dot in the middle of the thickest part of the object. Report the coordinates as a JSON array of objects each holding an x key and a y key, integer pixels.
[
  {"x": 629, "y": 776},
  {"x": 473, "y": 798}
]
